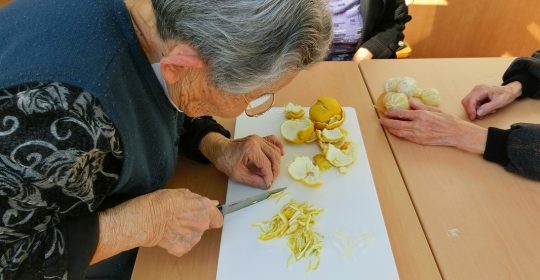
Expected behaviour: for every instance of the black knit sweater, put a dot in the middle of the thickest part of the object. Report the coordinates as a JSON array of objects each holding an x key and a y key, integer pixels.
[
  {"x": 384, "y": 22},
  {"x": 518, "y": 148}
]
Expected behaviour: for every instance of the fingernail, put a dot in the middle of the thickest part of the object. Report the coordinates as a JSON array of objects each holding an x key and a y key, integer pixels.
[{"x": 480, "y": 112}]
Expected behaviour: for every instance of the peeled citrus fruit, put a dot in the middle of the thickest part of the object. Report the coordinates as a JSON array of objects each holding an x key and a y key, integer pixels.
[
  {"x": 303, "y": 169},
  {"x": 297, "y": 131},
  {"x": 379, "y": 105},
  {"x": 396, "y": 100},
  {"x": 293, "y": 111},
  {"x": 415, "y": 99},
  {"x": 326, "y": 113},
  {"x": 391, "y": 84},
  {"x": 395, "y": 88},
  {"x": 430, "y": 97},
  {"x": 407, "y": 85}
]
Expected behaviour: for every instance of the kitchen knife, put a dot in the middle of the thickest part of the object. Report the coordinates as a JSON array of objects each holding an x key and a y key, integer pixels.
[{"x": 237, "y": 205}]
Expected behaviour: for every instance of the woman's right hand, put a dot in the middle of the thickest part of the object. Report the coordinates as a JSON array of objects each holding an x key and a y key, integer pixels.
[
  {"x": 485, "y": 99},
  {"x": 174, "y": 219},
  {"x": 179, "y": 218}
]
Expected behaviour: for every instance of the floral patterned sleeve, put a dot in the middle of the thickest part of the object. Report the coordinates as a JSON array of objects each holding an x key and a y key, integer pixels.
[{"x": 60, "y": 156}]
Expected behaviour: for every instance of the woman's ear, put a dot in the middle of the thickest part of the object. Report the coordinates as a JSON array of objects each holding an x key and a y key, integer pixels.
[{"x": 181, "y": 57}]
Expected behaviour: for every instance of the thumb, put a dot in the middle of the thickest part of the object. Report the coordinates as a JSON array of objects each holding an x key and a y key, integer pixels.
[
  {"x": 216, "y": 218},
  {"x": 263, "y": 168},
  {"x": 486, "y": 108},
  {"x": 254, "y": 180},
  {"x": 250, "y": 175}
]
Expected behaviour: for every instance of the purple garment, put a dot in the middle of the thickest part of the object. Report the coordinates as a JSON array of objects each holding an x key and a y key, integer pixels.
[{"x": 348, "y": 25}]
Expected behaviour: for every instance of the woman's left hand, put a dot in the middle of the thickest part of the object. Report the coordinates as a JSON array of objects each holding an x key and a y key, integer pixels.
[
  {"x": 251, "y": 160},
  {"x": 430, "y": 126},
  {"x": 362, "y": 54}
]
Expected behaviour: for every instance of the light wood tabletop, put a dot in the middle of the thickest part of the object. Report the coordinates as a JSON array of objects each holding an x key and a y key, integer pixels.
[
  {"x": 343, "y": 81},
  {"x": 481, "y": 221}
]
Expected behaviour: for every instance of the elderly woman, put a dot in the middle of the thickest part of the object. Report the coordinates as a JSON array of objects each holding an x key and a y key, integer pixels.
[
  {"x": 517, "y": 148},
  {"x": 87, "y": 134}
]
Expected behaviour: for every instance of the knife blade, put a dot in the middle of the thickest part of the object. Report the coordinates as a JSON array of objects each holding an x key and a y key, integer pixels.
[{"x": 237, "y": 205}]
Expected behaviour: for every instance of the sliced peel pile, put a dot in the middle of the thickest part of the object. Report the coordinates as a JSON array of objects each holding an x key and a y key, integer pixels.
[
  {"x": 303, "y": 170},
  {"x": 296, "y": 222}
]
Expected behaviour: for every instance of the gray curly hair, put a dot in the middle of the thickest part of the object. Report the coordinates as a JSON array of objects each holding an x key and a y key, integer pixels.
[{"x": 248, "y": 43}]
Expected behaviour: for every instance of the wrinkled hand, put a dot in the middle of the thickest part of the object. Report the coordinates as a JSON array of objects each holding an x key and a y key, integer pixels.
[
  {"x": 251, "y": 160},
  {"x": 430, "y": 126},
  {"x": 485, "y": 99},
  {"x": 174, "y": 219},
  {"x": 179, "y": 218}
]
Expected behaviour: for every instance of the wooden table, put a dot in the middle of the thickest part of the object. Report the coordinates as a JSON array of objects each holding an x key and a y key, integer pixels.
[
  {"x": 481, "y": 221},
  {"x": 343, "y": 81}
]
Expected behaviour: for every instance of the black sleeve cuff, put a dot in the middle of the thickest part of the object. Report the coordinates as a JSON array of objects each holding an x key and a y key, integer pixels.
[
  {"x": 81, "y": 243},
  {"x": 529, "y": 84},
  {"x": 496, "y": 146},
  {"x": 377, "y": 48},
  {"x": 194, "y": 129}
]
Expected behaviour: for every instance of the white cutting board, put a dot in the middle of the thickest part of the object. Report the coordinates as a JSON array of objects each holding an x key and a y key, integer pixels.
[{"x": 350, "y": 206}]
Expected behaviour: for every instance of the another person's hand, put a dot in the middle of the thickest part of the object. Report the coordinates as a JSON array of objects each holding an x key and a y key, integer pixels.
[
  {"x": 430, "y": 126},
  {"x": 174, "y": 219},
  {"x": 485, "y": 99},
  {"x": 362, "y": 54},
  {"x": 251, "y": 160}
]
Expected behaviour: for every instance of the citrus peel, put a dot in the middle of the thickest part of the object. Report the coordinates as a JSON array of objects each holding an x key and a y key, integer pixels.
[
  {"x": 303, "y": 170},
  {"x": 326, "y": 113},
  {"x": 297, "y": 131},
  {"x": 338, "y": 157},
  {"x": 293, "y": 111},
  {"x": 331, "y": 135},
  {"x": 320, "y": 161}
]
